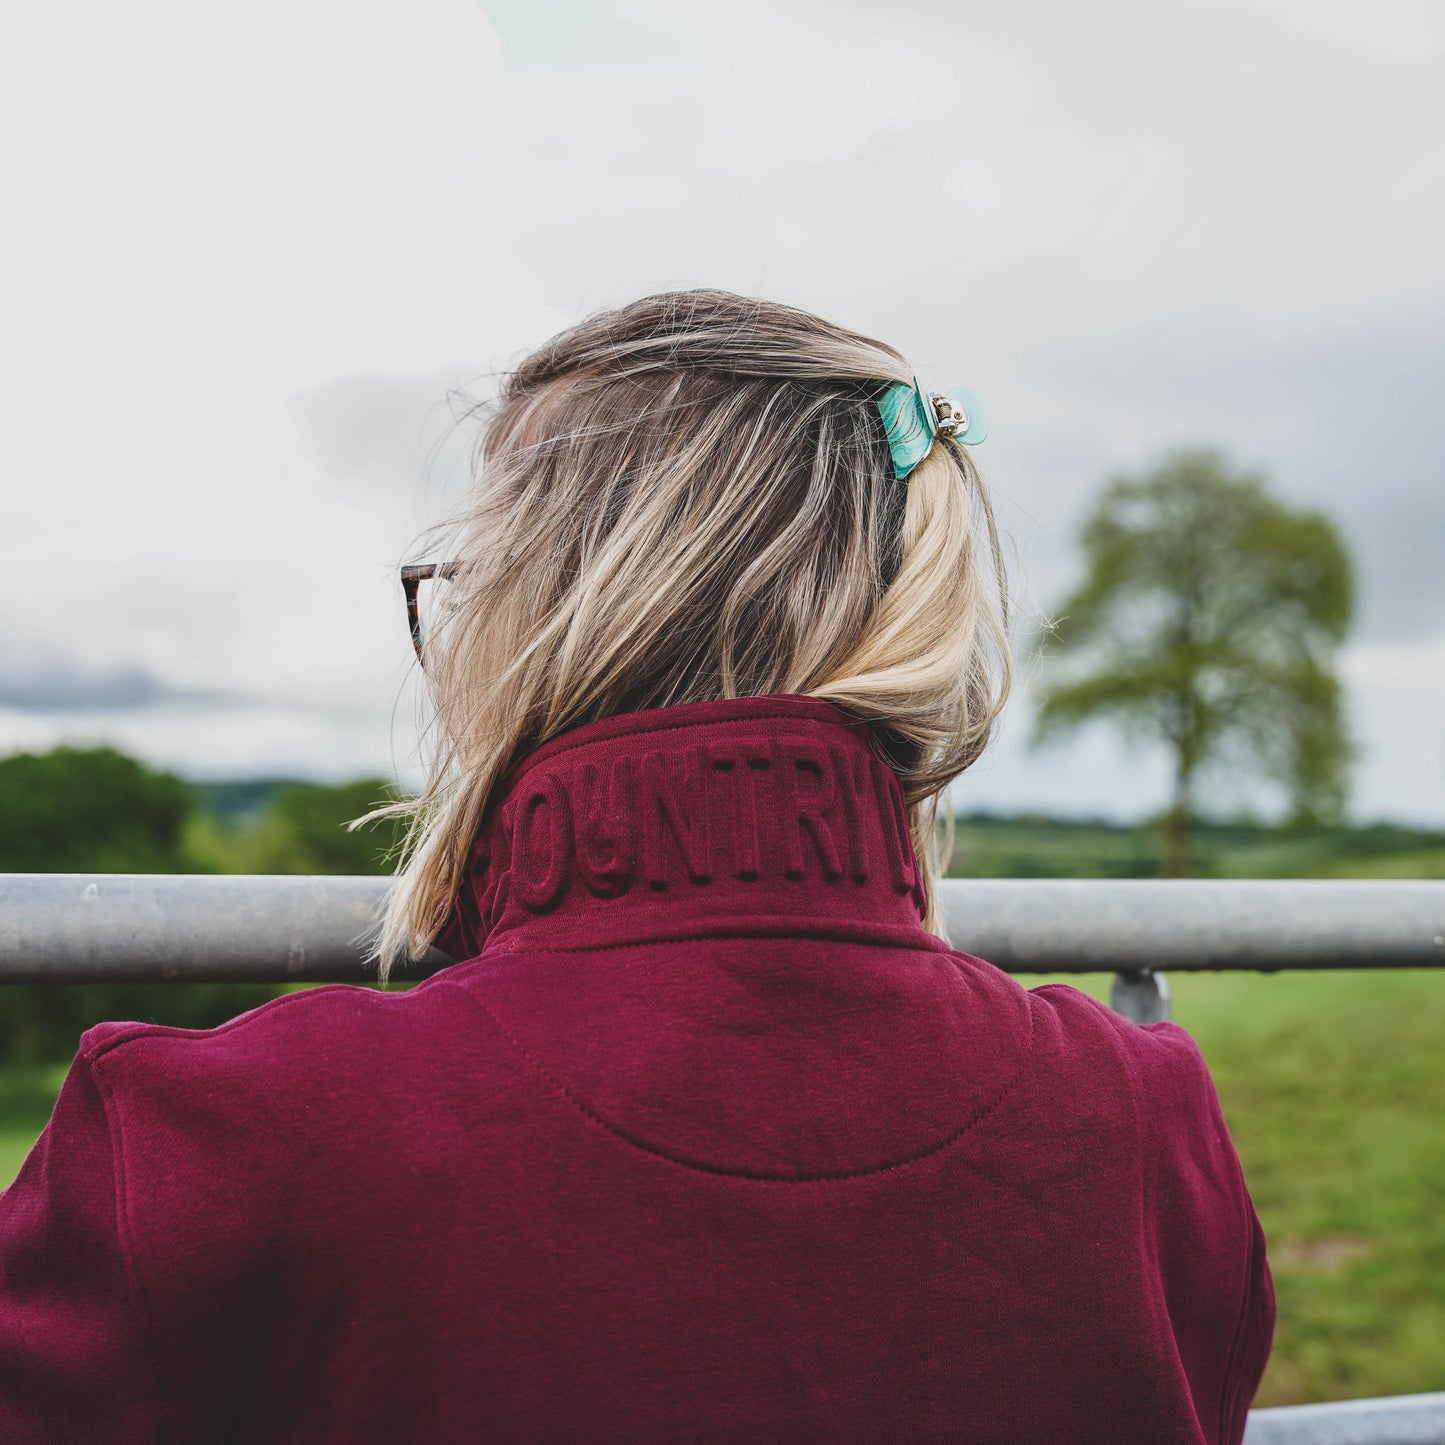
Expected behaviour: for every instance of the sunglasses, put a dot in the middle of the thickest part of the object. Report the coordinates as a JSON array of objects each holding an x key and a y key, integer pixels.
[{"x": 411, "y": 579}]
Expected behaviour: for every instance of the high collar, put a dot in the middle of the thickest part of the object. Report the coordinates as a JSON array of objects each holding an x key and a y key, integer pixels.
[{"x": 712, "y": 819}]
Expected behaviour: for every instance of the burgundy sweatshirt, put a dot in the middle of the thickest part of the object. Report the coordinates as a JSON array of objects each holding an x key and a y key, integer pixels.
[{"x": 708, "y": 1140}]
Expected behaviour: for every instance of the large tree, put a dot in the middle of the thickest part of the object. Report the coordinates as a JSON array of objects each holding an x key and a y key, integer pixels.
[{"x": 1208, "y": 619}]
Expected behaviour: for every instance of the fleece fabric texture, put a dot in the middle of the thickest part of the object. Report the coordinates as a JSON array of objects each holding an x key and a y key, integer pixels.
[{"x": 706, "y": 1140}]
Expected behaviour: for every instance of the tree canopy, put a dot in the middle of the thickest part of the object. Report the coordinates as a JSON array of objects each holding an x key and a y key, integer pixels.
[
  {"x": 89, "y": 810},
  {"x": 1207, "y": 619},
  {"x": 303, "y": 830}
]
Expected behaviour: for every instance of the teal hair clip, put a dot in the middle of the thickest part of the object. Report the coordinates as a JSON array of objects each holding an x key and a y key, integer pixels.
[{"x": 913, "y": 417}]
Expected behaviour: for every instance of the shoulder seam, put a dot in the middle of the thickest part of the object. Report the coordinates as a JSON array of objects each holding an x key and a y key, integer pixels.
[
  {"x": 140, "y": 1032},
  {"x": 1229, "y": 1384},
  {"x": 1199, "y": 1065},
  {"x": 121, "y": 1194}
]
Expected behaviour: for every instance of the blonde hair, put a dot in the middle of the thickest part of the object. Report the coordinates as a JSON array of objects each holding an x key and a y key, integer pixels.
[{"x": 688, "y": 498}]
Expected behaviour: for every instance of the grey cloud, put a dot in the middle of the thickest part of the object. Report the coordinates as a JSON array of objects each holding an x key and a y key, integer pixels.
[{"x": 61, "y": 688}]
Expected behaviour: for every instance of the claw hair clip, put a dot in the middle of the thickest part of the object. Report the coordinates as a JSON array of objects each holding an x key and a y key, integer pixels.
[{"x": 914, "y": 417}]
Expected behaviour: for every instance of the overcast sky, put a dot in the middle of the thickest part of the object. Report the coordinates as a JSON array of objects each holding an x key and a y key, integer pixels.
[{"x": 256, "y": 258}]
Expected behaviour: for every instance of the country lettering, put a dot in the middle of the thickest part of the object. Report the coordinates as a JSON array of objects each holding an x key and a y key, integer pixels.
[{"x": 788, "y": 808}]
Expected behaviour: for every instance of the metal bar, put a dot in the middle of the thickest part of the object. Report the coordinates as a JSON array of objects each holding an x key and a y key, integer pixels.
[
  {"x": 85, "y": 928},
  {"x": 1141, "y": 996},
  {"x": 1397, "y": 1420},
  {"x": 1108, "y": 925},
  {"x": 156, "y": 928}
]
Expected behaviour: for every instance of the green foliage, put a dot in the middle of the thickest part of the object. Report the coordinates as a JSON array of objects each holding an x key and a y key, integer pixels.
[
  {"x": 27, "y": 1095},
  {"x": 92, "y": 810},
  {"x": 1333, "y": 1093},
  {"x": 1208, "y": 620},
  {"x": 234, "y": 801},
  {"x": 303, "y": 829},
  {"x": 97, "y": 811}
]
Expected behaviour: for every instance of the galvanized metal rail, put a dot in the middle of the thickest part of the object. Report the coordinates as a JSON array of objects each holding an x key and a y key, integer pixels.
[
  {"x": 1396, "y": 1420},
  {"x": 134, "y": 928}
]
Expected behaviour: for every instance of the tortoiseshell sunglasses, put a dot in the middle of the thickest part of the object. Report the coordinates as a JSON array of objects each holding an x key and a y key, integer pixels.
[{"x": 411, "y": 579}]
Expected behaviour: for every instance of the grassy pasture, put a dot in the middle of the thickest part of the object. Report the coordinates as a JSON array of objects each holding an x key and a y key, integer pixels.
[{"x": 1334, "y": 1090}]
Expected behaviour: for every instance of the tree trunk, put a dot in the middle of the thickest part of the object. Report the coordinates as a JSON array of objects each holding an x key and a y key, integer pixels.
[
  {"x": 1174, "y": 837},
  {"x": 1174, "y": 834}
]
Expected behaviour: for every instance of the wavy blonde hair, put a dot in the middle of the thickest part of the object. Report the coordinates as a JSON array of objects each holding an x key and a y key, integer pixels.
[{"x": 688, "y": 498}]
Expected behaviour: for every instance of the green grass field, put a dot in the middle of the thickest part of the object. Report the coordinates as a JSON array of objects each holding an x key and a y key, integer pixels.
[
  {"x": 1023, "y": 847},
  {"x": 1335, "y": 1095}
]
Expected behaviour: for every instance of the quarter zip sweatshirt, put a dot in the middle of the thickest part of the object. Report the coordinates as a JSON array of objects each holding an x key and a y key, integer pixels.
[{"x": 706, "y": 1139}]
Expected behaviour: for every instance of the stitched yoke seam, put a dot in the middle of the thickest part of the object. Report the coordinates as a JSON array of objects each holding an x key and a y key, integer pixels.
[
  {"x": 122, "y": 1231},
  {"x": 1146, "y": 1147},
  {"x": 926, "y": 943},
  {"x": 696, "y": 1166},
  {"x": 142, "y": 1032},
  {"x": 1229, "y": 1385}
]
